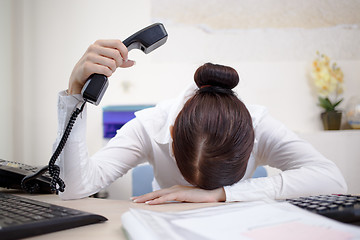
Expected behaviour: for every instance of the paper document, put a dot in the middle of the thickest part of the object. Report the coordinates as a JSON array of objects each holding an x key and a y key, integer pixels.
[{"x": 246, "y": 220}]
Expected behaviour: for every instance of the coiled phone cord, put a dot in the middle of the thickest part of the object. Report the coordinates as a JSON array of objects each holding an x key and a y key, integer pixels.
[
  {"x": 57, "y": 184},
  {"x": 54, "y": 169}
]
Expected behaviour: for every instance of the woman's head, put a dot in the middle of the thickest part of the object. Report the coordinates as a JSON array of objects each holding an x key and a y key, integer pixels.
[{"x": 213, "y": 134}]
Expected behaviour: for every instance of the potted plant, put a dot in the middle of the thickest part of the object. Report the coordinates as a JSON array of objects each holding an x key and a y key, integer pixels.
[{"x": 328, "y": 80}]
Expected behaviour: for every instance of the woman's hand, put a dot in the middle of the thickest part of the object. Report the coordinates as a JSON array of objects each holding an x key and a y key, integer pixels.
[
  {"x": 102, "y": 57},
  {"x": 182, "y": 194}
]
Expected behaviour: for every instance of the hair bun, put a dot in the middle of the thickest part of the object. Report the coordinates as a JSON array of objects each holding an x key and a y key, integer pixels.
[{"x": 216, "y": 75}]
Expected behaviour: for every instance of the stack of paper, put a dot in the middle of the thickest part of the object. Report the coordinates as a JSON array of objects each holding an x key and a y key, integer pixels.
[{"x": 250, "y": 220}]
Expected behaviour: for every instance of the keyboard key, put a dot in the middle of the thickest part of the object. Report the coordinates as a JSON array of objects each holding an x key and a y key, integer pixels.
[
  {"x": 319, "y": 209},
  {"x": 21, "y": 217},
  {"x": 340, "y": 207}
]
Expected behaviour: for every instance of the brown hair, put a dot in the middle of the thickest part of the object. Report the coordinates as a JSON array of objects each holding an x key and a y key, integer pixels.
[{"x": 213, "y": 134}]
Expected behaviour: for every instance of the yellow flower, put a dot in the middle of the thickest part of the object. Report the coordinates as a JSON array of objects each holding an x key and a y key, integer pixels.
[{"x": 327, "y": 77}]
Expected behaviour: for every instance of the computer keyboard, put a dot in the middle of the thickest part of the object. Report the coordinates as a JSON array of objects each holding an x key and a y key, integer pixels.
[
  {"x": 22, "y": 217},
  {"x": 340, "y": 207}
]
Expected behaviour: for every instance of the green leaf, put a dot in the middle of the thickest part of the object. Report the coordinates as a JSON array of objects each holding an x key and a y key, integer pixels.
[
  {"x": 336, "y": 104},
  {"x": 327, "y": 105}
]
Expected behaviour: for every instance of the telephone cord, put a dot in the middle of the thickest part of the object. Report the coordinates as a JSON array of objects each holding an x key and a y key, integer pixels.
[{"x": 57, "y": 184}]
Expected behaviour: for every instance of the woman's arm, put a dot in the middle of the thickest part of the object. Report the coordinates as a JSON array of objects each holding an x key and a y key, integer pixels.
[
  {"x": 83, "y": 175},
  {"x": 304, "y": 170},
  {"x": 181, "y": 194}
]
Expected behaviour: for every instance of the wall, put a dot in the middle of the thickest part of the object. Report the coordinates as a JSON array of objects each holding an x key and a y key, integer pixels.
[
  {"x": 48, "y": 39},
  {"x": 342, "y": 148},
  {"x": 6, "y": 104},
  {"x": 271, "y": 44}
]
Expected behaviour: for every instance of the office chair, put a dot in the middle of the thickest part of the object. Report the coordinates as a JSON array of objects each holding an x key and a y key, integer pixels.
[
  {"x": 260, "y": 171},
  {"x": 142, "y": 177}
]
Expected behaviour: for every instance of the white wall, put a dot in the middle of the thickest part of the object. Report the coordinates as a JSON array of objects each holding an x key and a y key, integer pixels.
[
  {"x": 49, "y": 37},
  {"x": 6, "y": 86},
  {"x": 45, "y": 38},
  {"x": 342, "y": 147}
]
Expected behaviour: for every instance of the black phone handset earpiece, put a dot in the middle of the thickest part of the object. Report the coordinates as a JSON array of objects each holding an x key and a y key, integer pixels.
[{"x": 146, "y": 40}]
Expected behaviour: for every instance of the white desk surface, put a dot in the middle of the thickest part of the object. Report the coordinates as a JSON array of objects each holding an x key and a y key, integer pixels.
[{"x": 111, "y": 209}]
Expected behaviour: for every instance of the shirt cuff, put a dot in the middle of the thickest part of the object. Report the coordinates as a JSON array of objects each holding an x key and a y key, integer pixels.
[
  {"x": 66, "y": 106},
  {"x": 254, "y": 189}
]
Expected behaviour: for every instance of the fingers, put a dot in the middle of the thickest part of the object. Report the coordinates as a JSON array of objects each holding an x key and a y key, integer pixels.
[
  {"x": 114, "y": 44},
  {"x": 106, "y": 56},
  {"x": 150, "y": 196},
  {"x": 166, "y": 198},
  {"x": 90, "y": 68},
  {"x": 182, "y": 194},
  {"x": 105, "y": 62},
  {"x": 128, "y": 63},
  {"x": 109, "y": 53},
  {"x": 175, "y": 193}
]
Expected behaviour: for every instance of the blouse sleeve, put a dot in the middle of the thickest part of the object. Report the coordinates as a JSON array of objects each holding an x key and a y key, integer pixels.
[
  {"x": 304, "y": 170},
  {"x": 84, "y": 175}
]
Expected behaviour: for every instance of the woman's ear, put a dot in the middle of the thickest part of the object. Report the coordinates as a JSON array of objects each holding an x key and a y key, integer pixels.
[{"x": 171, "y": 128}]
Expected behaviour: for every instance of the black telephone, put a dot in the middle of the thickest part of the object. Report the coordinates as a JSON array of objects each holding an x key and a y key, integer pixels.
[
  {"x": 46, "y": 179},
  {"x": 12, "y": 173}
]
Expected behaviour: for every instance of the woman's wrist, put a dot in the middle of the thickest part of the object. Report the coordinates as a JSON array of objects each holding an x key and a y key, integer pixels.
[
  {"x": 72, "y": 90},
  {"x": 220, "y": 194}
]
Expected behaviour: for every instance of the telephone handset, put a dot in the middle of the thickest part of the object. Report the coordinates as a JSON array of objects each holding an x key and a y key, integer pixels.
[{"x": 147, "y": 40}]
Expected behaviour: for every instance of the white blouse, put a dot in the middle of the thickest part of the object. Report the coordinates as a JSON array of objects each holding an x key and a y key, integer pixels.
[{"x": 147, "y": 138}]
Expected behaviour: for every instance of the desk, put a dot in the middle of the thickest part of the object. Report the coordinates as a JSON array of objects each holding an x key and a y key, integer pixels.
[{"x": 111, "y": 209}]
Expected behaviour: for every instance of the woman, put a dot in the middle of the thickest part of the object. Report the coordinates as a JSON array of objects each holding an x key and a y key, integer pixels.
[{"x": 204, "y": 145}]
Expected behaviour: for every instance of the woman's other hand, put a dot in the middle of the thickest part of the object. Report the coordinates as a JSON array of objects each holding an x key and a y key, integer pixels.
[
  {"x": 182, "y": 194},
  {"x": 102, "y": 57}
]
